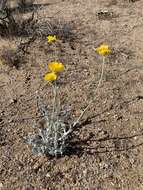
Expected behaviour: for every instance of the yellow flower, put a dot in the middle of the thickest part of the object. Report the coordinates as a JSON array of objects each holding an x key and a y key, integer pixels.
[
  {"x": 103, "y": 50},
  {"x": 56, "y": 66},
  {"x": 50, "y": 76},
  {"x": 52, "y": 38}
]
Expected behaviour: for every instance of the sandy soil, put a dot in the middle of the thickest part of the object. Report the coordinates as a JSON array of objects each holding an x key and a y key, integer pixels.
[{"x": 107, "y": 153}]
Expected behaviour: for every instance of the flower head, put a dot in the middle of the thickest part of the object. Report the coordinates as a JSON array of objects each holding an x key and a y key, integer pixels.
[
  {"x": 50, "y": 76},
  {"x": 103, "y": 50},
  {"x": 56, "y": 66},
  {"x": 52, "y": 38}
]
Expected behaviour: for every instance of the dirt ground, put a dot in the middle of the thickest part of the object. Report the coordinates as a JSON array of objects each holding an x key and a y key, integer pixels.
[{"x": 107, "y": 153}]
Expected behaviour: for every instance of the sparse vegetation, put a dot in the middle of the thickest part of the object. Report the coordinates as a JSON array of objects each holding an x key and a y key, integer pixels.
[
  {"x": 54, "y": 135},
  {"x": 65, "y": 123}
]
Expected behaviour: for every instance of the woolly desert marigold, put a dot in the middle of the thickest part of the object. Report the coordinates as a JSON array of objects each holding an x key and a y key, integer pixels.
[
  {"x": 103, "y": 50},
  {"x": 50, "y": 76},
  {"x": 51, "y": 38},
  {"x": 56, "y": 66}
]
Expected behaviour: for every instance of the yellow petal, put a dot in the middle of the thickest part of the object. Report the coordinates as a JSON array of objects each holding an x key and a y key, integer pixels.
[
  {"x": 51, "y": 38},
  {"x": 56, "y": 66},
  {"x": 103, "y": 50},
  {"x": 50, "y": 77}
]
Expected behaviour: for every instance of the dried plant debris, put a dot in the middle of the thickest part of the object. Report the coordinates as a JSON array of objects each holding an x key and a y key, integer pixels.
[
  {"x": 105, "y": 15},
  {"x": 15, "y": 24},
  {"x": 25, "y": 3},
  {"x": 63, "y": 30}
]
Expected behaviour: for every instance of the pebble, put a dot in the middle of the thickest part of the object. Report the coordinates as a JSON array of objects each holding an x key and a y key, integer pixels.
[
  {"x": 1, "y": 185},
  {"x": 48, "y": 175}
]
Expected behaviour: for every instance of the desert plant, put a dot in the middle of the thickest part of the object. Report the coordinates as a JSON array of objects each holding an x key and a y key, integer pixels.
[
  {"x": 58, "y": 27},
  {"x": 12, "y": 23},
  {"x": 54, "y": 134}
]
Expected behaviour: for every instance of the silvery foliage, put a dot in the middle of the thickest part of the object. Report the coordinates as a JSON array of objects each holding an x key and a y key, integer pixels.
[{"x": 53, "y": 136}]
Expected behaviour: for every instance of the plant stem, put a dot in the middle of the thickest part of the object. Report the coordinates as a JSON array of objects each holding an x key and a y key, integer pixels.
[
  {"x": 54, "y": 101},
  {"x": 90, "y": 103},
  {"x": 53, "y": 124}
]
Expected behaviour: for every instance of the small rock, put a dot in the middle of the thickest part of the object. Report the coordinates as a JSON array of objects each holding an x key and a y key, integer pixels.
[
  {"x": 48, "y": 175},
  {"x": 1, "y": 185}
]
